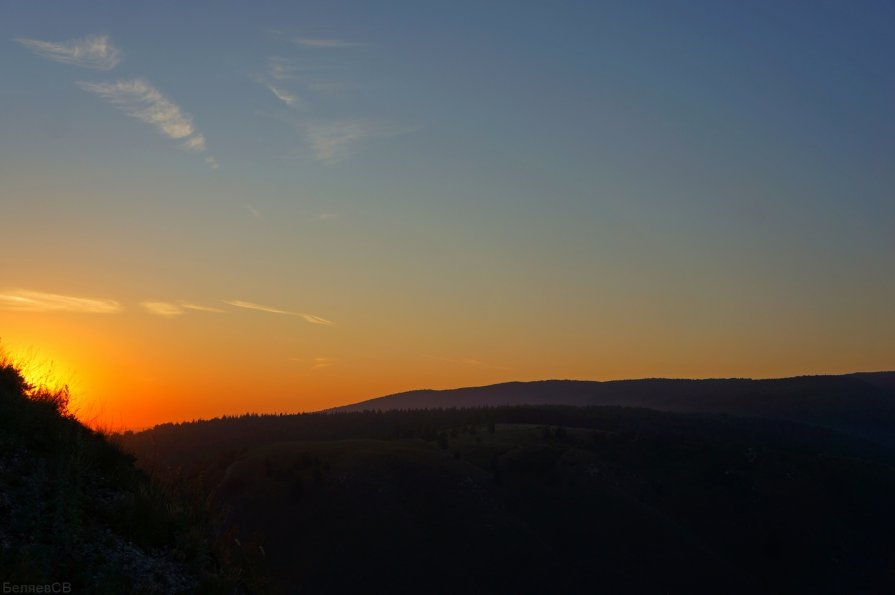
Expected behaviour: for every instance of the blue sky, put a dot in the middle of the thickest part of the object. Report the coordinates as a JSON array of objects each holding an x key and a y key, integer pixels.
[{"x": 627, "y": 179}]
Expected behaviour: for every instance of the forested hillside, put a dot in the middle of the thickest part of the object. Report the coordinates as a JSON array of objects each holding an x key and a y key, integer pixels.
[{"x": 542, "y": 499}]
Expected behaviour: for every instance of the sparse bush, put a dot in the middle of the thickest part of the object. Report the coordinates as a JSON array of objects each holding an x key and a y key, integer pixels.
[
  {"x": 11, "y": 380},
  {"x": 16, "y": 386},
  {"x": 57, "y": 399},
  {"x": 75, "y": 507}
]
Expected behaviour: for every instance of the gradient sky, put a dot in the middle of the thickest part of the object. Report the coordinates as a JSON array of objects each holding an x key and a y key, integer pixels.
[{"x": 224, "y": 207}]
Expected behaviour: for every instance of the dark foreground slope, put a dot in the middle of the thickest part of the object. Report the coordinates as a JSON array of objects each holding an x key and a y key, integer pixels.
[
  {"x": 863, "y": 404},
  {"x": 77, "y": 516},
  {"x": 544, "y": 499}
]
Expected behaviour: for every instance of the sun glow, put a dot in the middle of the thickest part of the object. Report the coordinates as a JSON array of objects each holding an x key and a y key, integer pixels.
[
  {"x": 45, "y": 376},
  {"x": 39, "y": 372}
]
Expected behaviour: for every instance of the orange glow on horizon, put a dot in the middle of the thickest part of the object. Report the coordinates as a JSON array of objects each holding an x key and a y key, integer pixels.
[
  {"x": 134, "y": 369},
  {"x": 300, "y": 226}
]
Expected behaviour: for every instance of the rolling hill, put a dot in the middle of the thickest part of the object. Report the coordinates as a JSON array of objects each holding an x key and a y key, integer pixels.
[
  {"x": 862, "y": 404},
  {"x": 669, "y": 486}
]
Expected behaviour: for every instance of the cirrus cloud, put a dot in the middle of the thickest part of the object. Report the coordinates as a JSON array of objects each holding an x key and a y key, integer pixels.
[
  {"x": 334, "y": 141},
  {"x": 93, "y": 51},
  {"x": 24, "y": 300},
  {"x": 165, "y": 309},
  {"x": 172, "y": 309},
  {"x": 271, "y": 310},
  {"x": 139, "y": 99},
  {"x": 290, "y": 99}
]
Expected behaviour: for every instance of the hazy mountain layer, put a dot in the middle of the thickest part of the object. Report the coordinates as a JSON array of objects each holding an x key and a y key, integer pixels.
[{"x": 862, "y": 404}]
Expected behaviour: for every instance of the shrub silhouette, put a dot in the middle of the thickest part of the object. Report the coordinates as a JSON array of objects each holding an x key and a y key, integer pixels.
[{"x": 76, "y": 509}]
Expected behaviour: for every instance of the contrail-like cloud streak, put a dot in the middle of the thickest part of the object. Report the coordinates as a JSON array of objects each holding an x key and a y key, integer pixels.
[{"x": 271, "y": 310}]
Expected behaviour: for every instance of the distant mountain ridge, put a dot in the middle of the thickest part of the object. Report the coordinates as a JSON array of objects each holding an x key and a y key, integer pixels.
[
  {"x": 555, "y": 486},
  {"x": 861, "y": 403}
]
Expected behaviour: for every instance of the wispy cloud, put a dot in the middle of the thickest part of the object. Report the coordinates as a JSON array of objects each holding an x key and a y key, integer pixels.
[
  {"x": 195, "y": 143},
  {"x": 316, "y": 319},
  {"x": 139, "y": 99},
  {"x": 335, "y": 141},
  {"x": 317, "y": 362},
  {"x": 212, "y": 163},
  {"x": 271, "y": 310},
  {"x": 23, "y": 300},
  {"x": 327, "y": 216},
  {"x": 259, "y": 307},
  {"x": 93, "y": 51},
  {"x": 319, "y": 42},
  {"x": 171, "y": 309},
  {"x": 166, "y": 309},
  {"x": 198, "y": 308},
  {"x": 280, "y": 71},
  {"x": 286, "y": 97},
  {"x": 288, "y": 78}
]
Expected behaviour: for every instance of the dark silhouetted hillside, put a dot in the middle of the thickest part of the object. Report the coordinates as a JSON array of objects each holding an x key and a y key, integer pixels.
[
  {"x": 532, "y": 499},
  {"x": 862, "y": 404},
  {"x": 77, "y": 516}
]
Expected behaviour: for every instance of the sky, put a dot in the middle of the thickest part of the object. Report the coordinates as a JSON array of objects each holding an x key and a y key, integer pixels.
[{"x": 220, "y": 207}]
